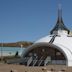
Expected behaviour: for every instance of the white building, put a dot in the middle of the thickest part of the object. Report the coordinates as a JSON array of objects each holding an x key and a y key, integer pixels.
[{"x": 55, "y": 48}]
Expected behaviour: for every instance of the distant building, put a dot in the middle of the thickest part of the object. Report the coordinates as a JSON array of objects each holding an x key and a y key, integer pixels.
[{"x": 52, "y": 49}]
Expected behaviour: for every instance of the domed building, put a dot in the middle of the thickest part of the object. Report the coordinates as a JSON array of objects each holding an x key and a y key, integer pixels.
[{"x": 53, "y": 49}]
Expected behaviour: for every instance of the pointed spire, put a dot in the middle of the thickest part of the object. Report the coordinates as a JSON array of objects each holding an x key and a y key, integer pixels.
[
  {"x": 59, "y": 12},
  {"x": 59, "y": 20},
  {"x": 60, "y": 24}
]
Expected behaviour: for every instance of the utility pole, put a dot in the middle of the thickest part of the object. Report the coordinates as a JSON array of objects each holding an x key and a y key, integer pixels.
[
  {"x": 1, "y": 52},
  {"x": 21, "y": 47}
]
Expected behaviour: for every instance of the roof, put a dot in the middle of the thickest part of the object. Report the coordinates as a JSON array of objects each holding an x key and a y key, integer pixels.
[
  {"x": 59, "y": 26},
  {"x": 62, "y": 40}
]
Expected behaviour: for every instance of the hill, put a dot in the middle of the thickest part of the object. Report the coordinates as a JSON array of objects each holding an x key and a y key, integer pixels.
[{"x": 17, "y": 44}]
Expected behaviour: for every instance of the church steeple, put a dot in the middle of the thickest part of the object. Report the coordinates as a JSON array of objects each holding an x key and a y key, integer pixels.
[{"x": 60, "y": 24}]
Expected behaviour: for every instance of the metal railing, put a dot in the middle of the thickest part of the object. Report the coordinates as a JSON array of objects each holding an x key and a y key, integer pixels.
[{"x": 44, "y": 62}]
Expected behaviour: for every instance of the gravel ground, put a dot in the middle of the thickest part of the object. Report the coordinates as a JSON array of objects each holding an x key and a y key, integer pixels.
[{"x": 22, "y": 68}]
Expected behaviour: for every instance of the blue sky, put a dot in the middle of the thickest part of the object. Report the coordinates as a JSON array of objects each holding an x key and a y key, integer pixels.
[{"x": 29, "y": 20}]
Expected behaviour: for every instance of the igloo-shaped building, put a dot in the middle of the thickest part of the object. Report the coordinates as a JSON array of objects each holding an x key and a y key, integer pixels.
[{"x": 53, "y": 49}]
